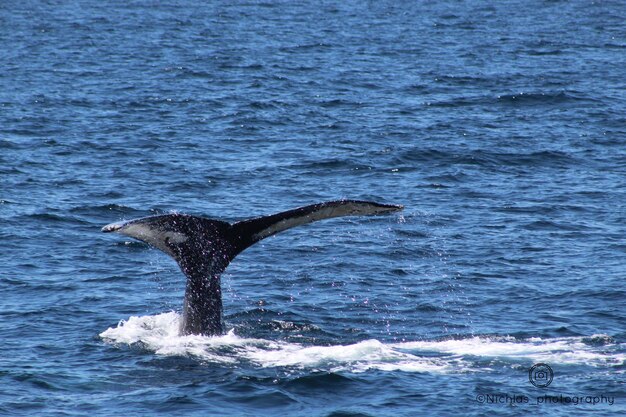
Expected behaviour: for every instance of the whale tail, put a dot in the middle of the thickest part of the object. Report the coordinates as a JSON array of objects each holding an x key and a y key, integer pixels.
[{"x": 203, "y": 248}]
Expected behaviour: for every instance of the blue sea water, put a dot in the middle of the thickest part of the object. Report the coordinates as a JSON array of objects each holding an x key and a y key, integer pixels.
[{"x": 501, "y": 126}]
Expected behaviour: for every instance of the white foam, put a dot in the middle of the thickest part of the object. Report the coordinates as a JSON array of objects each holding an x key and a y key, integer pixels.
[
  {"x": 159, "y": 333},
  {"x": 565, "y": 350}
]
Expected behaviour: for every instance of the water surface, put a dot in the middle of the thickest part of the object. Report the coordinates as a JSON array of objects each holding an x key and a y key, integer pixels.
[{"x": 500, "y": 127}]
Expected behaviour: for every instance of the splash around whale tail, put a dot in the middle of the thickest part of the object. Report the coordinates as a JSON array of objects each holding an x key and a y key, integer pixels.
[{"x": 203, "y": 248}]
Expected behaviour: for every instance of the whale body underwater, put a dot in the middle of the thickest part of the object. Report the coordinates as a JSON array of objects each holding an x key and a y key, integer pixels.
[{"x": 204, "y": 247}]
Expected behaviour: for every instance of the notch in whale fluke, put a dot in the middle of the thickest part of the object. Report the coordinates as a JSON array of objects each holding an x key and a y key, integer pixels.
[{"x": 203, "y": 248}]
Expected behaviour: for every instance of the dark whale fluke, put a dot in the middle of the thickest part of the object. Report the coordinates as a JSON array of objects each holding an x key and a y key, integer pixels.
[{"x": 203, "y": 248}]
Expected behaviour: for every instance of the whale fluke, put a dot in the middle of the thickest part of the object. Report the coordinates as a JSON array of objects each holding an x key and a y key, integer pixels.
[{"x": 203, "y": 248}]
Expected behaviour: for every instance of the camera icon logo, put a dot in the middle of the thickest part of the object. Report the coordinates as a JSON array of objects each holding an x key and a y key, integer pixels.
[{"x": 540, "y": 375}]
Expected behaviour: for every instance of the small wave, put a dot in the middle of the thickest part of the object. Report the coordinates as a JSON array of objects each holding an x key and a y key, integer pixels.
[
  {"x": 540, "y": 98},
  {"x": 306, "y": 47},
  {"x": 528, "y": 99},
  {"x": 546, "y": 225},
  {"x": 482, "y": 157},
  {"x": 105, "y": 208},
  {"x": 53, "y": 218},
  {"x": 6, "y": 144},
  {"x": 338, "y": 103},
  {"x": 160, "y": 334},
  {"x": 326, "y": 166},
  {"x": 462, "y": 80}
]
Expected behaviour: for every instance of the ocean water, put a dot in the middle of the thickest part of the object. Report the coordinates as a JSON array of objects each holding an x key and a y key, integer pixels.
[{"x": 501, "y": 127}]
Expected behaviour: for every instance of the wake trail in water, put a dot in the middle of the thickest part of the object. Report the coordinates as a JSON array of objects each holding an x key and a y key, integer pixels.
[{"x": 160, "y": 334}]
